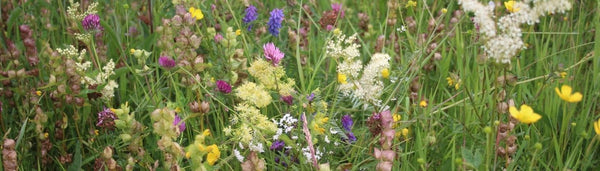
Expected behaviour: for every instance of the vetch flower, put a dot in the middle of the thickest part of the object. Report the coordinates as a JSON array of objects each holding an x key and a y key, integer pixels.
[
  {"x": 196, "y": 13},
  {"x": 275, "y": 21},
  {"x": 347, "y": 122},
  {"x": 166, "y": 62},
  {"x": 179, "y": 123},
  {"x": 565, "y": 94},
  {"x": 250, "y": 16},
  {"x": 272, "y": 53},
  {"x": 510, "y": 6},
  {"x": 277, "y": 145},
  {"x": 223, "y": 86},
  {"x": 91, "y": 22},
  {"x": 597, "y": 127},
  {"x": 525, "y": 115}
]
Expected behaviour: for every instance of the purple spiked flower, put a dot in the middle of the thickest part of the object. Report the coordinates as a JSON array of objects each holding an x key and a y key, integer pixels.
[
  {"x": 351, "y": 137},
  {"x": 288, "y": 99},
  {"x": 275, "y": 21},
  {"x": 166, "y": 62},
  {"x": 251, "y": 14},
  {"x": 310, "y": 97},
  {"x": 178, "y": 122},
  {"x": 106, "y": 119},
  {"x": 347, "y": 122},
  {"x": 277, "y": 145},
  {"x": 91, "y": 22},
  {"x": 223, "y": 86},
  {"x": 272, "y": 53}
]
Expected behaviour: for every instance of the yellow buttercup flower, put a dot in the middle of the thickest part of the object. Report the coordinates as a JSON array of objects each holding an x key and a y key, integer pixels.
[
  {"x": 238, "y": 32},
  {"x": 385, "y": 73},
  {"x": 196, "y": 13},
  {"x": 510, "y": 6},
  {"x": 565, "y": 94},
  {"x": 131, "y": 51},
  {"x": 188, "y": 155},
  {"x": 337, "y": 31},
  {"x": 423, "y": 103},
  {"x": 597, "y": 127},
  {"x": 39, "y": 93},
  {"x": 525, "y": 115},
  {"x": 342, "y": 78}
]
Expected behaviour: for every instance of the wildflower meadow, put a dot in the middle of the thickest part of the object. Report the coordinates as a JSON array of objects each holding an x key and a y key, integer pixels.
[{"x": 299, "y": 85}]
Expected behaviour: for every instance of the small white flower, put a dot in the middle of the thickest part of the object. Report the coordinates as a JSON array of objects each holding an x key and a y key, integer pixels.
[{"x": 238, "y": 155}]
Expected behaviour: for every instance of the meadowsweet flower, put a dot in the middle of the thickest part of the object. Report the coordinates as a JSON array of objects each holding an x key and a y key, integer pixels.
[
  {"x": 223, "y": 86},
  {"x": 597, "y": 127},
  {"x": 525, "y": 115},
  {"x": 166, "y": 62},
  {"x": 510, "y": 6},
  {"x": 91, "y": 22},
  {"x": 342, "y": 78},
  {"x": 411, "y": 3},
  {"x": 106, "y": 119},
  {"x": 337, "y": 8},
  {"x": 196, "y": 13},
  {"x": 275, "y": 20},
  {"x": 254, "y": 94},
  {"x": 272, "y": 53},
  {"x": 565, "y": 94},
  {"x": 177, "y": 121},
  {"x": 385, "y": 73}
]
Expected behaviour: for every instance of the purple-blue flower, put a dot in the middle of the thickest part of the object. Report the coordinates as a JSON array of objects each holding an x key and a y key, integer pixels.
[
  {"x": 178, "y": 122},
  {"x": 91, "y": 22},
  {"x": 310, "y": 97},
  {"x": 347, "y": 122},
  {"x": 106, "y": 118},
  {"x": 277, "y": 145},
  {"x": 166, "y": 62},
  {"x": 275, "y": 21},
  {"x": 223, "y": 86},
  {"x": 351, "y": 137},
  {"x": 251, "y": 14}
]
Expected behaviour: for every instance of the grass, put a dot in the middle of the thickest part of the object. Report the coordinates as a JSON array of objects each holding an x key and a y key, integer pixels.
[{"x": 457, "y": 129}]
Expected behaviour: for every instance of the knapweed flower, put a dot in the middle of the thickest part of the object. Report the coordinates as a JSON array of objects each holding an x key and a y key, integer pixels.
[
  {"x": 510, "y": 6},
  {"x": 597, "y": 127},
  {"x": 287, "y": 99},
  {"x": 347, "y": 122},
  {"x": 385, "y": 73},
  {"x": 196, "y": 13},
  {"x": 91, "y": 22},
  {"x": 272, "y": 53},
  {"x": 223, "y": 86},
  {"x": 342, "y": 78},
  {"x": 106, "y": 119},
  {"x": 525, "y": 115},
  {"x": 250, "y": 16},
  {"x": 565, "y": 94},
  {"x": 337, "y": 8},
  {"x": 166, "y": 62},
  {"x": 275, "y": 21},
  {"x": 179, "y": 123}
]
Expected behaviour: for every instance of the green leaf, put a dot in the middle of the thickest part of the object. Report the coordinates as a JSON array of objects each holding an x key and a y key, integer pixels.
[
  {"x": 472, "y": 159},
  {"x": 76, "y": 165}
]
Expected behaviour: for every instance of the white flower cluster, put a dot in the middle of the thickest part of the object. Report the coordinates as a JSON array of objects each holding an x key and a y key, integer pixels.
[
  {"x": 503, "y": 42},
  {"x": 258, "y": 147},
  {"x": 306, "y": 153},
  {"x": 285, "y": 125},
  {"x": 73, "y": 10},
  {"x": 342, "y": 48},
  {"x": 238, "y": 155}
]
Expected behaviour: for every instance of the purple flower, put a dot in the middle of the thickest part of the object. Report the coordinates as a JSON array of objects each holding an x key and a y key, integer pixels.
[
  {"x": 218, "y": 37},
  {"x": 106, "y": 119},
  {"x": 351, "y": 137},
  {"x": 251, "y": 14},
  {"x": 347, "y": 122},
  {"x": 277, "y": 145},
  {"x": 222, "y": 86},
  {"x": 178, "y": 122},
  {"x": 272, "y": 53},
  {"x": 310, "y": 97},
  {"x": 275, "y": 21},
  {"x": 91, "y": 22},
  {"x": 337, "y": 8},
  {"x": 287, "y": 99},
  {"x": 166, "y": 62}
]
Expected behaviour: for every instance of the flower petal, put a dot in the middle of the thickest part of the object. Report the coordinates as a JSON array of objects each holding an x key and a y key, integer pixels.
[
  {"x": 597, "y": 127},
  {"x": 514, "y": 112},
  {"x": 526, "y": 110},
  {"x": 575, "y": 97},
  {"x": 566, "y": 90}
]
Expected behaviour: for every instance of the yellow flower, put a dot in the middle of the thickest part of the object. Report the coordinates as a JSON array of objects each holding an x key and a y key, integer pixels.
[
  {"x": 510, "y": 6},
  {"x": 411, "y": 4},
  {"x": 131, "y": 51},
  {"x": 342, "y": 78},
  {"x": 457, "y": 85},
  {"x": 565, "y": 94},
  {"x": 450, "y": 81},
  {"x": 206, "y": 132},
  {"x": 178, "y": 109},
  {"x": 337, "y": 31},
  {"x": 385, "y": 73},
  {"x": 597, "y": 127},
  {"x": 46, "y": 135},
  {"x": 397, "y": 117},
  {"x": 196, "y": 13},
  {"x": 188, "y": 155},
  {"x": 213, "y": 154},
  {"x": 405, "y": 132},
  {"x": 563, "y": 74},
  {"x": 39, "y": 93},
  {"x": 525, "y": 115},
  {"x": 444, "y": 10},
  {"x": 96, "y": 132},
  {"x": 423, "y": 103},
  {"x": 238, "y": 32}
]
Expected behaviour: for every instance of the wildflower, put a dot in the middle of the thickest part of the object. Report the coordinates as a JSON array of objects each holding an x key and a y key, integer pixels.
[
  {"x": 405, "y": 132},
  {"x": 287, "y": 99},
  {"x": 342, "y": 78},
  {"x": 277, "y": 145},
  {"x": 563, "y": 74},
  {"x": 411, "y": 3},
  {"x": 254, "y": 94},
  {"x": 275, "y": 21},
  {"x": 525, "y": 115},
  {"x": 351, "y": 136},
  {"x": 251, "y": 15},
  {"x": 238, "y": 32},
  {"x": 310, "y": 97},
  {"x": 565, "y": 94},
  {"x": 444, "y": 10},
  {"x": 272, "y": 53},
  {"x": 347, "y": 122},
  {"x": 423, "y": 103},
  {"x": 385, "y": 73},
  {"x": 337, "y": 8},
  {"x": 213, "y": 154},
  {"x": 222, "y": 86},
  {"x": 166, "y": 62},
  {"x": 38, "y": 93},
  {"x": 179, "y": 123},
  {"x": 218, "y": 37},
  {"x": 91, "y": 22},
  {"x": 106, "y": 119},
  {"x": 510, "y": 6},
  {"x": 196, "y": 13},
  {"x": 597, "y": 127},
  {"x": 238, "y": 155}
]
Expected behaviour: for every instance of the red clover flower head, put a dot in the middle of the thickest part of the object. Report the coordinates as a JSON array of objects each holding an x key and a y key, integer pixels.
[
  {"x": 166, "y": 62},
  {"x": 223, "y": 86},
  {"x": 91, "y": 22}
]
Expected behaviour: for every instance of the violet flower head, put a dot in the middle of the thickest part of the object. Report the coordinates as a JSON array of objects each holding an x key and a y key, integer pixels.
[
  {"x": 347, "y": 122},
  {"x": 179, "y": 123},
  {"x": 277, "y": 145},
  {"x": 310, "y": 97},
  {"x": 166, "y": 62},
  {"x": 91, "y": 22},
  {"x": 218, "y": 38},
  {"x": 351, "y": 137},
  {"x": 275, "y": 21},
  {"x": 223, "y": 86},
  {"x": 273, "y": 54},
  {"x": 287, "y": 99},
  {"x": 337, "y": 8},
  {"x": 106, "y": 119},
  {"x": 251, "y": 14}
]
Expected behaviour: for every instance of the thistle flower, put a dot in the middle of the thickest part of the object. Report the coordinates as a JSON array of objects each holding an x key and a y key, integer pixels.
[
  {"x": 106, "y": 118},
  {"x": 91, "y": 22},
  {"x": 272, "y": 53},
  {"x": 166, "y": 62},
  {"x": 526, "y": 115},
  {"x": 251, "y": 15},
  {"x": 179, "y": 123},
  {"x": 223, "y": 86},
  {"x": 565, "y": 94},
  {"x": 275, "y": 20}
]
